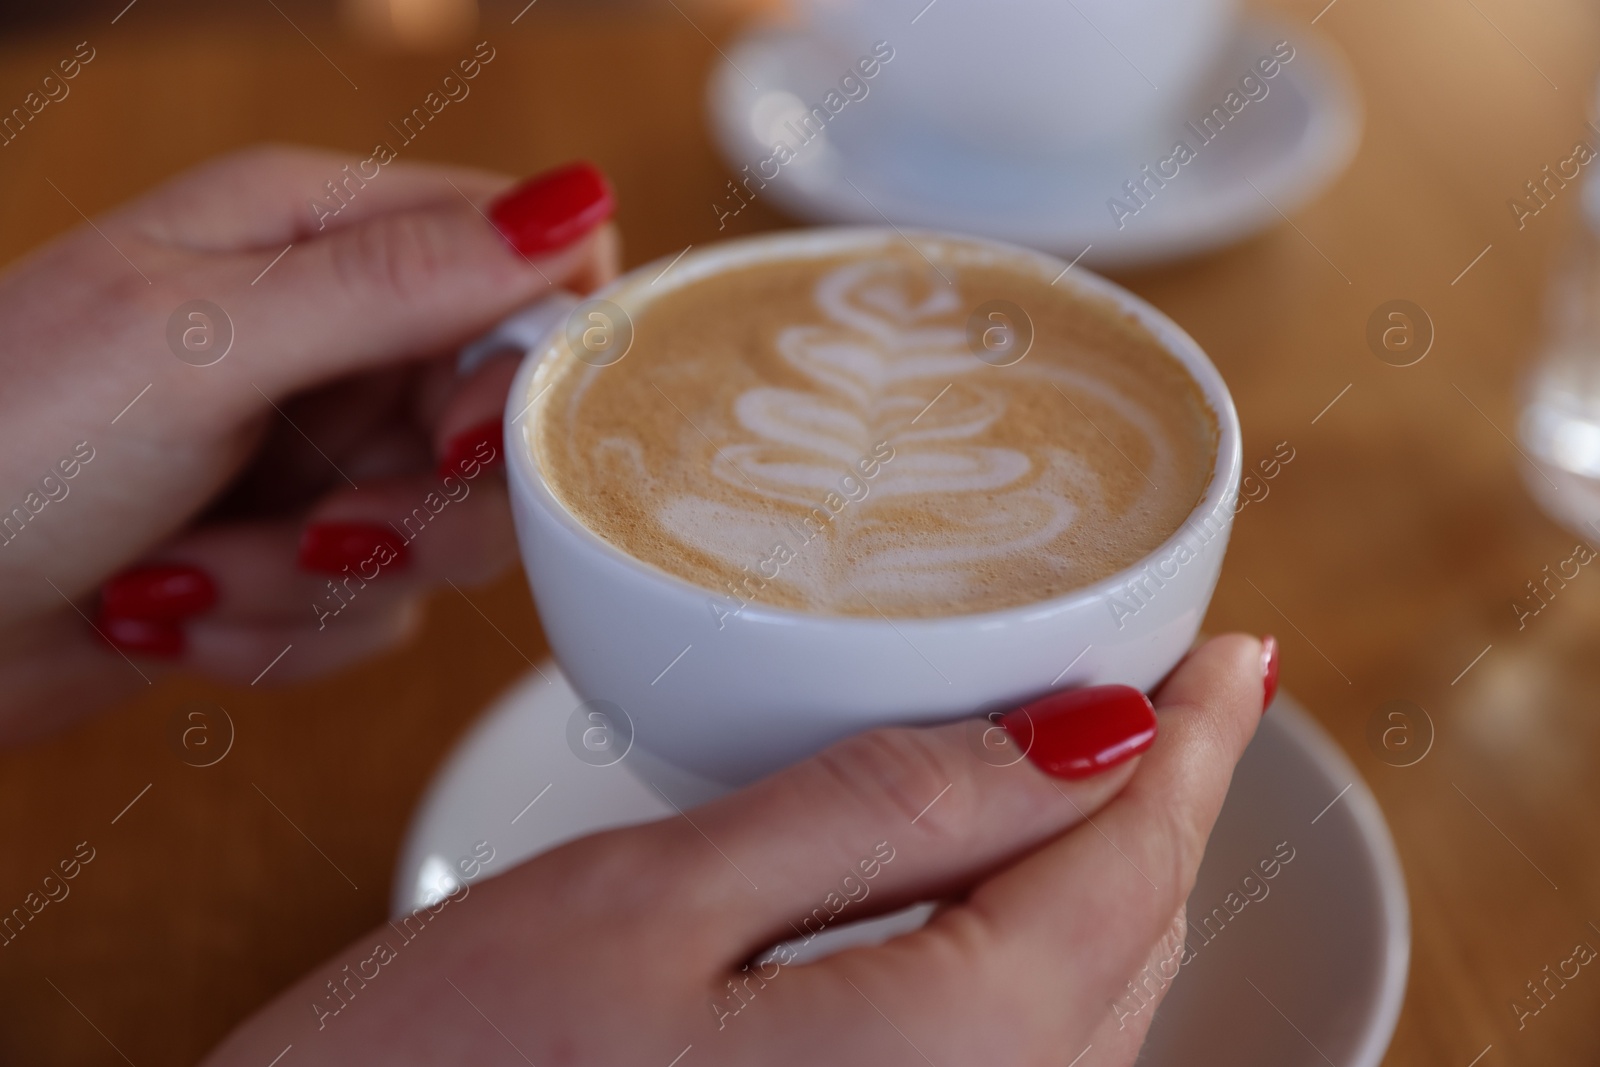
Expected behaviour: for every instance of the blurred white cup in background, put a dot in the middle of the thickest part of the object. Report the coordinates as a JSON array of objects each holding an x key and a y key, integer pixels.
[{"x": 1038, "y": 78}]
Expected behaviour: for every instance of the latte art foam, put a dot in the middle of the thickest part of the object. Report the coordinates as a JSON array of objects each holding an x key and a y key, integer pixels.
[{"x": 816, "y": 434}]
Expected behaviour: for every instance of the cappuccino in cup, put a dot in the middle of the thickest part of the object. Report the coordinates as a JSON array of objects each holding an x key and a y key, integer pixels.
[
  {"x": 786, "y": 488},
  {"x": 894, "y": 431}
]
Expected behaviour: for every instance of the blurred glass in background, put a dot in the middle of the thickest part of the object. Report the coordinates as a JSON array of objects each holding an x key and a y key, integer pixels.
[{"x": 1560, "y": 425}]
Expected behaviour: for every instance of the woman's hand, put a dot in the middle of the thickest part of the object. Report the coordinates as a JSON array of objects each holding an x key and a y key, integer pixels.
[
  {"x": 240, "y": 492},
  {"x": 631, "y": 946}
]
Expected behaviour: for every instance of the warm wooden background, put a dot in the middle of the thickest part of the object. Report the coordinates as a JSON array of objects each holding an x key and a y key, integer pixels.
[{"x": 1395, "y": 541}]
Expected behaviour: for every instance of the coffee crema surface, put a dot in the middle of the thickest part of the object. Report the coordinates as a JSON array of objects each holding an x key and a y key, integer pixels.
[{"x": 818, "y": 434}]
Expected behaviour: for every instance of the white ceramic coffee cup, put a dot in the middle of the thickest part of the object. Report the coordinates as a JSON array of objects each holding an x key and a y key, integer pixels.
[
  {"x": 730, "y": 699},
  {"x": 1033, "y": 77}
]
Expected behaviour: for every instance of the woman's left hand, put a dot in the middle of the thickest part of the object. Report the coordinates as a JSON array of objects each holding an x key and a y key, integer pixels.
[{"x": 223, "y": 468}]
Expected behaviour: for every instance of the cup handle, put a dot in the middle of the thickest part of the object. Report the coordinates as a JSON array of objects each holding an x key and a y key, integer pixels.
[{"x": 523, "y": 330}]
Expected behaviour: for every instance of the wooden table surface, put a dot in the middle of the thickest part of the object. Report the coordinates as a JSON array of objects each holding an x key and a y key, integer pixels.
[{"x": 1386, "y": 557}]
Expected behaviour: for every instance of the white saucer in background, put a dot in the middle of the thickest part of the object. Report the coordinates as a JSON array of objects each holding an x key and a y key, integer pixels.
[
  {"x": 870, "y": 165},
  {"x": 1315, "y": 968}
]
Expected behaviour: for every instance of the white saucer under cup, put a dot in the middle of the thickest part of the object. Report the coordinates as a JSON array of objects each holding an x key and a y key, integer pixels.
[
  {"x": 1326, "y": 948},
  {"x": 1327, "y": 945}
]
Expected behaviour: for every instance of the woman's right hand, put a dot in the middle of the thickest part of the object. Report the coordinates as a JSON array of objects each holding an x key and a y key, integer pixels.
[{"x": 648, "y": 945}]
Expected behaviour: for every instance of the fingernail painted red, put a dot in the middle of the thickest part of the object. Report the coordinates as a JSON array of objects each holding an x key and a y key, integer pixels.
[
  {"x": 160, "y": 591},
  {"x": 159, "y": 638},
  {"x": 481, "y": 445},
  {"x": 551, "y": 210},
  {"x": 330, "y": 547},
  {"x": 1269, "y": 671},
  {"x": 1081, "y": 732}
]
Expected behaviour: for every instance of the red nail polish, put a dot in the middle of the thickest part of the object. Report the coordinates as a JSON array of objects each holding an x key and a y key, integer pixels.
[
  {"x": 167, "y": 591},
  {"x": 330, "y": 547},
  {"x": 1080, "y": 732},
  {"x": 159, "y": 638},
  {"x": 553, "y": 209},
  {"x": 479, "y": 445},
  {"x": 1269, "y": 671}
]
